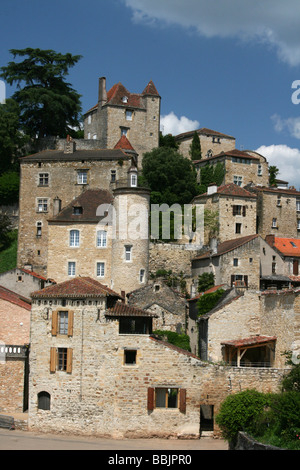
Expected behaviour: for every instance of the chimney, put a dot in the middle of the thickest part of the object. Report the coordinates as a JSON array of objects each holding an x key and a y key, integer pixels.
[
  {"x": 102, "y": 96},
  {"x": 70, "y": 145},
  {"x": 212, "y": 188},
  {"x": 56, "y": 206},
  {"x": 270, "y": 239}
]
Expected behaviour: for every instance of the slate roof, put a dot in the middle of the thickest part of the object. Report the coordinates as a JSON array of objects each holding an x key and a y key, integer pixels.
[
  {"x": 124, "y": 310},
  {"x": 228, "y": 245},
  {"x": 89, "y": 200},
  {"x": 77, "y": 288}
]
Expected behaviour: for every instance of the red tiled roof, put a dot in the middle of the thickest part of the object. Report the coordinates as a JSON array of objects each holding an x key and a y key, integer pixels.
[
  {"x": 204, "y": 131},
  {"x": 228, "y": 245},
  {"x": 32, "y": 273},
  {"x": 287, "y": 246},
  {"x": 150, "y": 89},
  {"x": 252, "y": 341},
  {"x": 14, "y": 298},
  {"x": 124, "y": 310},
  {"x": 124, "y": 144},
  {"x": 79, "y": 287},
  {"x": 230, "y": 189}
]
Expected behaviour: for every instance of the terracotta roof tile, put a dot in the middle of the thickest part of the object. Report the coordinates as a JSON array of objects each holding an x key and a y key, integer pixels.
[
  {"x": 287, "y": 246},
  {"x": 251, "y": 341},
  {"x": 150, "y": 89},
  {"x": 14, "y": 298},
  {"x": 124, "y": 310},
  {"x": 204, "y": 131},
  {"x": 124, "y": 144},
  {"x": 79, "y": 287},
  {"x": 228, "y": 245},
  {"x": 230, "y": 189}
]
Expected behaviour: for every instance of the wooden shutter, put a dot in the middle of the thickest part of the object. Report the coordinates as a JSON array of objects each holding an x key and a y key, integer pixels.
[
  {"x": 232, "y": 279},
  {"x": 182, "y": 400},
  {"x": 69, "y": 360},
  {"x": 295, "y": 267},
  {"x": 54, "y": 323},
  {"x": 150, "y": 402},
  {"x": 244, "y": 211},
  {"x": 246, "y": 280},
  {"x": 70, "y": 323},
  {"x": 234, "y": 210},
  {"x": 52, "y": 359}
]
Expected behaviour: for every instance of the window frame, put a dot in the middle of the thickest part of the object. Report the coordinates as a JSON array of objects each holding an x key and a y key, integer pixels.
[
  {"x": 82, "y": 177},
  {"x": 100, "y": 265},
  {"x": 74, "y": 238},
  {"x": 128, "y": 253},
  {"x": 43, "y": 179},
  {"x": 71, "y": 265},
  {"x": 101, "y": 241},
  {"x": 42, "y": 204}
]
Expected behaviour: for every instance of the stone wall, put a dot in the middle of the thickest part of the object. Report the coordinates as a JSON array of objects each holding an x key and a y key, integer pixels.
[
  {"x": 207, "y": 143},
  {"x": 12, "y": 375},
  {"x": 171, "y": 257},
  {"x": 103, "y": 396}
]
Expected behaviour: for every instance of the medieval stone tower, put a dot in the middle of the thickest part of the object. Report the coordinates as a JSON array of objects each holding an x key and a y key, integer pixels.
[
  {"x": 130, "y": 244},
  {"x": 119, "y": 112}
]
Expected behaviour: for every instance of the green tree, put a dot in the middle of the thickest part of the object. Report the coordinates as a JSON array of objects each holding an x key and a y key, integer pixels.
[
  {"x": 9, "y": 187},
  {"x": 12, "y": 141},
  {"x": 273, "y": 172},
  {"x": 211, "y": 174},
  {"x": 205, "y": 281},
  {"x": 208, "y": 301},
  {"x": 168, "y": 141},
  {"x": 170, "y": 177},
  {"x": 48, "y": 104},
  {"x": 5, "y": 230},
  {"x": 195, "y": 147}
]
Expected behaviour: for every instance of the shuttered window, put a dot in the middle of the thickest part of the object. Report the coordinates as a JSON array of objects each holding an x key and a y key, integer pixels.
[
  {"x": 163, "y": 397},
  {"x": 62, "y": 322},
  {"x": 61, "y": 360}
]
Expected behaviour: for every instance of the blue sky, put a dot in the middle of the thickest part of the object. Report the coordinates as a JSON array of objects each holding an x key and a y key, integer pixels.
[{"x": 227, "y": 65}]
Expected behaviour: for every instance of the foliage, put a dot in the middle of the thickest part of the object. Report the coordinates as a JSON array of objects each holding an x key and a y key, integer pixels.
[
  {"x": 273, "y": 172},
  {"x": 11, "y": 139},
  {"x": 211, "y": 174},
  {"x": 168, "y": 141},
  {"x": 292, "y": 381},
  {"x": 5, "y": 230},
  {"x": 205, "y": 281},
  {"x": 240, "y": 411},
  {"x": 211, "y": 222},
  {"x": 180, "y": 340},
  {"x": 9, "y": 187},
  {"x": 48, "y": 104},
  {"x": 195, "y": 147},
  {"x": 207, "y": 301},
  {"x": 170, "y": 177}
]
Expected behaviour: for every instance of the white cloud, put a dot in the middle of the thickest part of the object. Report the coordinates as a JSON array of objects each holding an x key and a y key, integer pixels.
[
  {"x": 286, "y": 159},
  {"x": 171, "y": 124},
  {"x": 273, "y": 22},
  {"x": 292, "y": 125}
]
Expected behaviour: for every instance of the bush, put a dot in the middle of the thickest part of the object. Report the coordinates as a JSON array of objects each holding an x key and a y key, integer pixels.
[
  {"x": 239, "y": 412},
  {"x": 180, "y": 340},
  {"x": 207, "y": 301}
]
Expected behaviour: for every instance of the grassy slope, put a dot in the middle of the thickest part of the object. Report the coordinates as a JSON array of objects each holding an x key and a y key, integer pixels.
[{"x": 8, "y": 257}]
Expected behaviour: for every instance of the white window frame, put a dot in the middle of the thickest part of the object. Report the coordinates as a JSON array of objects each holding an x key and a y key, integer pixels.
[
  {"x": 142, "y": 275},
  {"x": 129, "y": 115},
  {"x": 39, "y": 227},
  {"x": 43, "y": 179},
  {"x": 82, "y": 176},
  {"x": 274, "y": 222},
  {"x": 72, "y": 268},
  {"x": 128, "y": 253},
  {"x": 133, "y": 181},
  {"x": 237, "y": 180},
  {"x": 100, "y": 269},
  {"x": 74, "y": 238},
  {"x": 101, "y": 238},
  {"x": 42, "y": 205},
  {"x": 259, "y": 170}
]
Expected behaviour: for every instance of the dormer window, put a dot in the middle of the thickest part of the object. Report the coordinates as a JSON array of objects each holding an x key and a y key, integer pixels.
[
  {"x": 77, "y": 210},
  {"x": 125, "y": 99}
]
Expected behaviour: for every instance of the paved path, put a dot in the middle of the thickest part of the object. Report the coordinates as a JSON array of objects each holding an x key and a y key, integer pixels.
[{"x": 25, "y": 440}]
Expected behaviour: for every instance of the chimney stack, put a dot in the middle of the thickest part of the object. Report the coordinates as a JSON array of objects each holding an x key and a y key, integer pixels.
[
  {"x": 56, "y": 206},
  {"x": 212, "y": 188},
  {"x": 70, "y": 145},
  {"x": 102, "y": 97},
  {"x": 270, "y": 239}
]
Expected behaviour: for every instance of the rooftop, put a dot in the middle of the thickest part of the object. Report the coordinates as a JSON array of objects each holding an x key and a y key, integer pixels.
[
  {"x": 77, "y": 288},
  {"x": 251, "y": 341},
  {"x": 202, "y": 131},
  {"x": 14, "y": 298},
  {"x": 286, "y": 246},
  {"x": 77, "y": 155},
  {"x": 228, "y": 245},
  {"x": 124, "y": 310},
  {"x": 230, "y": 189}
]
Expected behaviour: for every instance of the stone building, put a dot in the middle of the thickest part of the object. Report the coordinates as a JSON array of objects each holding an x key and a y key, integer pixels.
[
  {"x": 97, "y": 370},
  {"x": 285, "y": 257},
  {"x": 14, "y": 341},
  {"x": 241, "y": 167},
  {"x": 119, "y": 112},
  {"x": 212, "y": 142},
  {"x": 52, "y": 179},
  {"x": 232, "y": 212},
  {"x": 23, "y": 281},
  {"x": 278, "y": 211}
]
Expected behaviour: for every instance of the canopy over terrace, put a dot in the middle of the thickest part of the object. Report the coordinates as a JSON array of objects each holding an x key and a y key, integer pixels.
[{"x": 255, "y": 351}]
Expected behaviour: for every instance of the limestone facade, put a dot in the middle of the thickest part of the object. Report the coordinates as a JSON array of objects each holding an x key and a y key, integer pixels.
[
  {"x": 99, "y": 380},
  {"x": 212, "y": 142},
  {"x": 119, "y": 112}
]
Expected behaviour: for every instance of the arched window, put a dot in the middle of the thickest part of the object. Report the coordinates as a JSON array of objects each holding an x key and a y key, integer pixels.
[
  {"x": 74, "y": 238},
  {"x": 43, "y": 401}
]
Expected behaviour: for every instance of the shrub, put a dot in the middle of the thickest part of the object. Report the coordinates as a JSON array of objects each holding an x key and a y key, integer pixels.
[
  {"x": 207, "y": 301},
  {"x": 180, "y": 340}
]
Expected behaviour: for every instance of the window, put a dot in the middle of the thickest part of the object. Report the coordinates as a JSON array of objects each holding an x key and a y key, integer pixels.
[
  {"x": 100, "y": 269},
  {"x": 235, "y": 262},
  {"x": 142, "y": 275},
  {"x": 128, "y": 253},
  {"x": 61, "y": 360},
  {"x": 124, "y": 99},
  {"x": 298, "y": 205},
  {"x": 63, "y": 323},
  {"x": 236, "y": 210},
  {"x": 238, "y": 180},
  {"x": 113, "y": 176},
  {"x": 274, "y": 223},
  {"x": 42, "y": 205},
  {"x": 89, "y": 119},
  {"x": 133, "y": 181},
  {"x": 101, "y": 239},
  {"x": 166, "y": 397},
  {"x": 74, "y": 238},
  {"x": 77, "y": 210},
  {"x": 273, "y": 268},
  {"x": 298, "y": 224},
  {"x": 259, "y": 170},
  {"x": 82, "y": 177},
  {"x": 238, "y": 228},
  {"x": 43, "y": 179},
  {"x": 44, "y": 401},
  {"x": 71, "y": 268},
  {"x": 293, "y": 244},
  {"x": 278, "y": 201},
  {"x": 130, "y": 356},
  {"x": 239, "y": 280},
  {"x": 129, "y": 115},
  {"x": 135, "y": 325},
  {"x": 39, "y": 229},
  {"x": 124, "y": 131}
]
